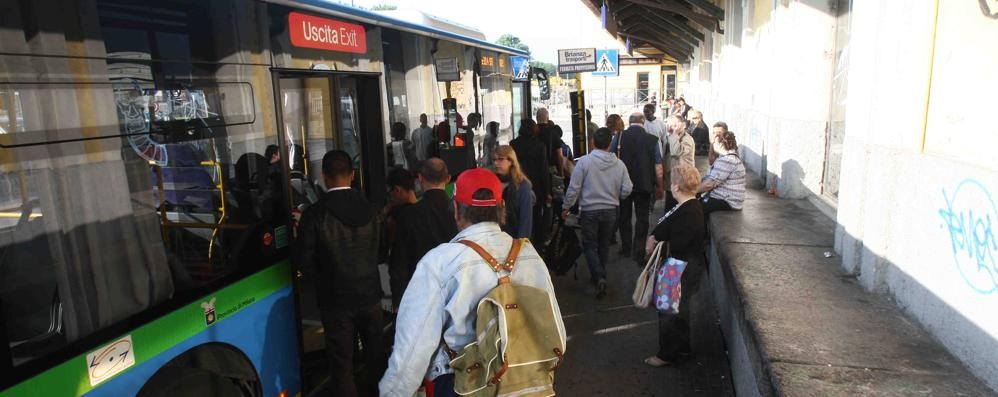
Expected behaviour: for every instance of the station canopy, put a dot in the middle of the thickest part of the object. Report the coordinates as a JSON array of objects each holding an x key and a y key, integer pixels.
[{"x": 660, "y": 28}]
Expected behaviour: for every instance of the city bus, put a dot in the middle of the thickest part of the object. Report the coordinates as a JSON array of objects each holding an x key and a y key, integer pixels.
[{"x": 154, "y": 157}]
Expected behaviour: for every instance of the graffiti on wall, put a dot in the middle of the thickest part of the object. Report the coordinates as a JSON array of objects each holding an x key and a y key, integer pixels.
[{"x": 970, "y": 216}]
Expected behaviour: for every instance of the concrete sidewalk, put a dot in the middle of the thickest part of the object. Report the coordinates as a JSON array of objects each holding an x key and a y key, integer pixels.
[
  {"x": 796, "y": 325},
  {"x": 610, "y": 338}
]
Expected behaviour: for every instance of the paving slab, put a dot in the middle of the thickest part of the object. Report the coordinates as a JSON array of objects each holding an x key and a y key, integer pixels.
[{"x": 610, "y": 338}]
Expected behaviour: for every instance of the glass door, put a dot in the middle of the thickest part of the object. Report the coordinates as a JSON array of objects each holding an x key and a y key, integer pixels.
[{"x": 320, "y": 113}]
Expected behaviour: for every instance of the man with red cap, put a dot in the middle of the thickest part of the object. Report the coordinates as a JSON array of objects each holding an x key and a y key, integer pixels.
[{"x": 439, "y": 305}]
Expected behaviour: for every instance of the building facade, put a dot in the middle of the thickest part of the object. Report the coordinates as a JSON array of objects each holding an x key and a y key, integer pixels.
[{"x": 879, "y": 113}]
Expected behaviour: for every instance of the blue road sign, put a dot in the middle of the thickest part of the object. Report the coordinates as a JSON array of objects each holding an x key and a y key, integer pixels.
[
  {"x": 521, "y": 68},
  {"x": 607, "y": 63}
]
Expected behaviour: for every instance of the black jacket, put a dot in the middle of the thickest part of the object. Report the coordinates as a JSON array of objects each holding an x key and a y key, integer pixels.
[
  {"x": 701, "y": 138},
  {"x": 533, "y": 157},
  {"x": 637, "y": 151},
  {"x": 683, "y": 229},
  {"x": 337, "y": 246},
  {"x": 419, "y": 228}
]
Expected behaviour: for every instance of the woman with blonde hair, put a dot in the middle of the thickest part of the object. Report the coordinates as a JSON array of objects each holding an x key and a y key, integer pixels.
[
  {"x": 682, "y": 228},
  {"x": 616, "y": 125},
  {"x": 517, "y": 192}
]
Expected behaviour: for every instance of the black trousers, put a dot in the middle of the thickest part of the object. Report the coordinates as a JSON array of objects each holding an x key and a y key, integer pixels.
[
  {"x": 542, "y": 224},
  {"x": 674, "y": 329},
  {"x": 632, "y": 241},
  {"x": 342, "y": 326},
  {"x": 711, "y": 204}
]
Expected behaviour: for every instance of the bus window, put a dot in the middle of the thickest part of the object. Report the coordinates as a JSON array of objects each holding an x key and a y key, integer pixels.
[{"x": 95, "y": 231}]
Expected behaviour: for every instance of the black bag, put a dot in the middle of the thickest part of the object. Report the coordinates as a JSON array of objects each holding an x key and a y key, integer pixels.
[{"x": 563, "y": 251}]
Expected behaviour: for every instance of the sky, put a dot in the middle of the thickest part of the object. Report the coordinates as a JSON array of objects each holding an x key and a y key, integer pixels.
[{"x": 544, "y": 25}]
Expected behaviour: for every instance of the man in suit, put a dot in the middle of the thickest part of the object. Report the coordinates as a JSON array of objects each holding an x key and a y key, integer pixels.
[{"x": 637, "y": 151}]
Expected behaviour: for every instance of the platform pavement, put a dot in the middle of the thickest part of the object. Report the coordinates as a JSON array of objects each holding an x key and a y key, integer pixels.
[
  {"x": 797, "y": 325},
  {"x": 610, "y": 338}
]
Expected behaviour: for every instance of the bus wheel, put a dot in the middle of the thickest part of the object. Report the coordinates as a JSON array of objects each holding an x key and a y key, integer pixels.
[{"x": 212, "y": 369}]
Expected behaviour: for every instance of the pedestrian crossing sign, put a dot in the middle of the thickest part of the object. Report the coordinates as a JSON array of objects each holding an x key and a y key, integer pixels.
[{"x": 607, "y": 63}]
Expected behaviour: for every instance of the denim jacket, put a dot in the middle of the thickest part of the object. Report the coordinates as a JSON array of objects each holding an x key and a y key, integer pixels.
[{"x": 442, "y": 298}]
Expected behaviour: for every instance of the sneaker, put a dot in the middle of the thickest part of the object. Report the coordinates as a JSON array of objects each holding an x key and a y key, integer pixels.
[
  {"x": 654, "y": 361},
  {"x": 600, "y": 289}
]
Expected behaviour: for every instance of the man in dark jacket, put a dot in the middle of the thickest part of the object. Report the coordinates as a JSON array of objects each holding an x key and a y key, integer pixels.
[
  {"x": 637, "y": 151},
  {"x": 701, "y": 138},
  {"x": 533, "y": 157},
  {"x": 338, "y": 248},
  {"x": 421, "y": 226}
]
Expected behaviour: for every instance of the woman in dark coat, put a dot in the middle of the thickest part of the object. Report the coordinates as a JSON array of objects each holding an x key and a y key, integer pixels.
[{"x": 682, "y": 228}]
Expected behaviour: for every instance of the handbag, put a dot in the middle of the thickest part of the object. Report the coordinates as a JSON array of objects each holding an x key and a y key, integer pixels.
[
  {"x": 668, "y": 286},
  {"x": 644, "y": 289}
]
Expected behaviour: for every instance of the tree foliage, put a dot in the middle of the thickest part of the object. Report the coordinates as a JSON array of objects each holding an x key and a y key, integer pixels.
[
  {"x": 548, "y": 67},
  {"x": 511, "y": 41},
  {"x": 384, "y": 7}
]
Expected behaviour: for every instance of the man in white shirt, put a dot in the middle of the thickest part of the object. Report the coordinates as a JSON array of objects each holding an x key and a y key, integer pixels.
[
  {"x": 440, "y": 303},
  {"x": 421, "y": 138},
  {"x": 655, "y": 126}
]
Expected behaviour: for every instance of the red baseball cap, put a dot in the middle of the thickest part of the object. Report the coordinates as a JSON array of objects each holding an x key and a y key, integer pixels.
[{"x": 477, "y": 178}]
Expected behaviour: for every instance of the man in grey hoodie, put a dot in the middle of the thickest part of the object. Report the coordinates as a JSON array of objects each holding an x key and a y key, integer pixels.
[{"x": 601, "y": 180}]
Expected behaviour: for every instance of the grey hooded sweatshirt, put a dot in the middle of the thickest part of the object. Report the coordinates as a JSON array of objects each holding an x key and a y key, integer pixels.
[{"x": 601, "y": 180}]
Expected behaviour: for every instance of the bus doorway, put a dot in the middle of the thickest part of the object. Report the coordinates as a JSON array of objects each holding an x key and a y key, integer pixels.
[{"x": 319, "y": 112}]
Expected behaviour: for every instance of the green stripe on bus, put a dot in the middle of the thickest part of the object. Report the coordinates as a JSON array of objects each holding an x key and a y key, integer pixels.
[{"x": 72, "y": 378}]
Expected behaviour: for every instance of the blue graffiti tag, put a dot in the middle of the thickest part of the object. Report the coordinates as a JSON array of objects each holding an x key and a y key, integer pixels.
[{"x": 969, "y": 216}]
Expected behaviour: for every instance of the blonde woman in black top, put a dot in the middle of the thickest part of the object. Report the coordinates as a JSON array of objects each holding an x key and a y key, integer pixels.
[{"x": 682, "y": 228}]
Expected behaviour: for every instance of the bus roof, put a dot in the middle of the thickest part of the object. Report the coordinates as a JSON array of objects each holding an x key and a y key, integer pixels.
[{"x": 329, "y": 7}]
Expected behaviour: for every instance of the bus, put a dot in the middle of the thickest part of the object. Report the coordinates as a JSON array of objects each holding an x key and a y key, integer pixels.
[{"x": 154, "y": 157}]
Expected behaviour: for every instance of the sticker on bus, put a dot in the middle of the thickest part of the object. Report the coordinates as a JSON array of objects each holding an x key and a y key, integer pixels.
[
  {"x": 110, "y": 360},
  {"x": 209, "y": 311}
]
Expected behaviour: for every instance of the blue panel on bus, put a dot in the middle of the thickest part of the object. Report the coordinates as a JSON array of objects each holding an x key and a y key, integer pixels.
[{"x": 264, "y": 331}]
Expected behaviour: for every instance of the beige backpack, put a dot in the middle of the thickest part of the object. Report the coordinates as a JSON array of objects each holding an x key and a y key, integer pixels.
[{"x": 518, "y": 346}]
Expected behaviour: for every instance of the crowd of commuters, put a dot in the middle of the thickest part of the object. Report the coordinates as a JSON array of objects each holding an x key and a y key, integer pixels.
[{"x": 498, "y": 193}]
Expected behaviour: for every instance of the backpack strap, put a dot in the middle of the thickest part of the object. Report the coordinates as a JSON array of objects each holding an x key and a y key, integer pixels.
[{"x": 514, "y": 251}]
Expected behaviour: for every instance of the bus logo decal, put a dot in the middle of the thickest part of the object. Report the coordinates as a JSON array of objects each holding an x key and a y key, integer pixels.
[
  {"x": 110, "y": 360},
  {"x": 209, "y": 311}
]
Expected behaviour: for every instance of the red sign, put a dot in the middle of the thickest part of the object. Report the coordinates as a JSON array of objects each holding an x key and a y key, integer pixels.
[{"x": 326, "y": 34}]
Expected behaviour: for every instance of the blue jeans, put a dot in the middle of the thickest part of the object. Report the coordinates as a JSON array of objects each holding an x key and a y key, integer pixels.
[{"x": 597, "y": 227}]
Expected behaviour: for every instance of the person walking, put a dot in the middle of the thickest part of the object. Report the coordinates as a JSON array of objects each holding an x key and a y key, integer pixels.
[
  {"x": 682, "y": 228},
  {"x": 516, "y": 193},
  {"x": 637, "y": 151},
  {"x": 399, "y": 223},
  {"x": 489, "y": 143},
  {"x": 438, "y": 309},
  {"x": 421, "y": 138},
  {"x": 338, "y": 248},
  {"x": 546, "y": 134},
  {"x": 401, "y": 151},
  {"x": 701, "y": 140},
  {"x": 681, "y": 151},
  {"x": 716, "y": 131},
  {"x": 616, "y": 125},
  {"x": 599, "y": 182},
  {"x": 681, "y": 108},
  {"x": 656, "y": 127},
  {"x": 533, "y": 156}
]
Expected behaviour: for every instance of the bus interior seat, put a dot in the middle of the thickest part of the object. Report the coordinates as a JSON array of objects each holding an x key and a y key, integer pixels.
[
  {"x": 186, "y": 183},
  {"x": 28, "y": 288}
]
